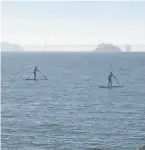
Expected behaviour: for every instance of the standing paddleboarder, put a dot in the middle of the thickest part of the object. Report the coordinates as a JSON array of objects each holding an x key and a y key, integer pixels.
[
  {"x": 110, "y": 78},
  {"x": 34, "y": 72}
]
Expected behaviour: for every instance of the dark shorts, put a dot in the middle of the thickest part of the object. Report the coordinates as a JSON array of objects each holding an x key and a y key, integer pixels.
[{"x": 109, "y": 79}]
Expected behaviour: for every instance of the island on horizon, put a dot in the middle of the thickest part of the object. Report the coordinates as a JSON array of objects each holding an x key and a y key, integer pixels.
[{"x": 107, "y": 48}]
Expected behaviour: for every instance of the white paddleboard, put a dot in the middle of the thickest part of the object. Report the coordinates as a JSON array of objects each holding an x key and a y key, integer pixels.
[
  {"x": 34, "y": 79},
  {"x": 113, "y": 86}
]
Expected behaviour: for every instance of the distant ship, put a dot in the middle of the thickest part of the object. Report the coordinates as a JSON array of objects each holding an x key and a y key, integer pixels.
[{"x": 107, "y": 48}]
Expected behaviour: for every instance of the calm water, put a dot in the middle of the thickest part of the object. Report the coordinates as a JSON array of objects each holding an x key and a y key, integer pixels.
[{"x": 68, "y": 111}]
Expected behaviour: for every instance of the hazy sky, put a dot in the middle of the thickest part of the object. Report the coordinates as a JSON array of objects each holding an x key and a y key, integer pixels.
[{"x": 73, "y": 22}]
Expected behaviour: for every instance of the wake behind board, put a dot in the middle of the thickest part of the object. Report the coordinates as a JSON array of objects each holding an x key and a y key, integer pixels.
[{"x": 108, "y": 87}]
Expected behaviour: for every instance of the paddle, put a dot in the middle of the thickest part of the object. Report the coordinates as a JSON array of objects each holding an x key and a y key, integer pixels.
[
  {"x": 114, "y": 76},
  {"x": 42, "y": 74},
  {"x": 117, "y": 81}
]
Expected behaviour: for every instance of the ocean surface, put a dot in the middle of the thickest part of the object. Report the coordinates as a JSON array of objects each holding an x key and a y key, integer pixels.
[{"x": 68, "y": 111}]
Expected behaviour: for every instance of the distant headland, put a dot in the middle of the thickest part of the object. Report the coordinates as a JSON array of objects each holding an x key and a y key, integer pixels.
[{"x": 8, "y": 47}]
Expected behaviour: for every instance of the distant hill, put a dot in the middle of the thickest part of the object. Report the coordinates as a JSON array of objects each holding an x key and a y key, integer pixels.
[
  {"x": 8, "y": 47},
  {"x": 107, "y": 48}
]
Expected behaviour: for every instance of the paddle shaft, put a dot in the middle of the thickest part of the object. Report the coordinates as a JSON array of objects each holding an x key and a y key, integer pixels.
[
  {"x": 117, "y": 81},
  {"x": 42, "y": 74}
]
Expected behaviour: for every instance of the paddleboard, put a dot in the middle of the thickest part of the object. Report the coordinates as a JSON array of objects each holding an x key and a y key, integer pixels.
[
  {"x": 113, "y": 86},
  {"x": 30, "y": 79},
  {"x": 34, "y": 79}
]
